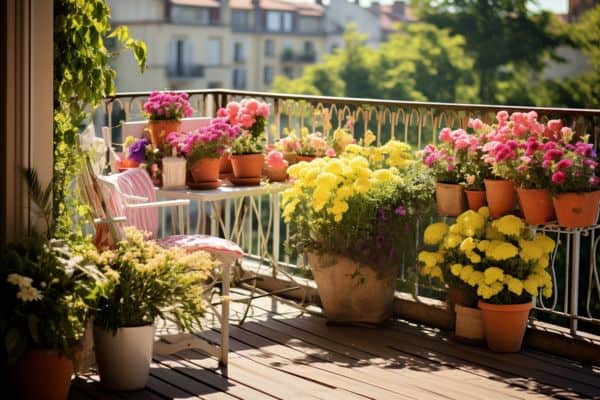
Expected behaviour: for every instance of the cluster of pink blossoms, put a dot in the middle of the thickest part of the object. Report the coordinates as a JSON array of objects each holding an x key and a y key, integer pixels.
[
  {"x": 211, "y": 140},
  {"x": 168, "y": 106},
  {"x": 245, "y": 113}
]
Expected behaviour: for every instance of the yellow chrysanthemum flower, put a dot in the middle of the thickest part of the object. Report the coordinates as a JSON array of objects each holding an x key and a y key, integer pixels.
[
  {"x": 515, "y": 286},
  {"x": 476, "y": 278},
  {"x": 492, "y": 233},
  {"x": 509, "y": 225},
  {"x": 470, "y": 223},
  {"x": 531, "y": 286},
  {"x": 474, "y": 258},
  {"x": 493, "y": 274},
  {"x": 466, "y": 272},
  {"x": 530, "y": 250},
  {"x": 455, "y": 269},
  {"x": 434, "y": 233},
  {"x": 452, "y": 241},
  {"x": 468, "y": 245},
  {"x": 484, "y": 211},
  {"x": 500, "y": 250},
  {"x": 383, "y": 175},
  {"x": 545, "y": 242}
]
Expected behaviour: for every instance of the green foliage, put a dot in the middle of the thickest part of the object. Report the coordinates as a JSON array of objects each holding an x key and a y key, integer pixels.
[{"x": 82, "y": 78}]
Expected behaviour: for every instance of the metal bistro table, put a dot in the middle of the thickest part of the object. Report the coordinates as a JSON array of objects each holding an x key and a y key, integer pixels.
[{"x": 231, "y": 211}]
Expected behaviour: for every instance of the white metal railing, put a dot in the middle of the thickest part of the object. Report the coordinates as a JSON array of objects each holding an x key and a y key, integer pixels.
[{"x": 261, "y": 231}]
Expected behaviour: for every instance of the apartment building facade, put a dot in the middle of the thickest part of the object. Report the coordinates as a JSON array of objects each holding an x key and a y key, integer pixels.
[{"x": 240, "y": 44}]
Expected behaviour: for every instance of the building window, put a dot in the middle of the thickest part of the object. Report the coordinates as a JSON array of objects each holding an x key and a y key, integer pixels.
[
  {"x": 268, "y": 75},
  {"x": 287, "y": 22},
  {"x": 194, "y": 15},
  {"x": 309, "y": 48},
  {"x": 238, "y": 52},
  {"x": 180, "y": 57},
  {"x": 309, "y": 24},
  {"x": 241, "y": 19},
  {"x": 239, "y": 78},
  {"x": 273, "y": 21},
  {"x": 214, "y": 52},
  {"x": 214, "y": 85},
  {"x": 269, "y": 48},
  {"x": 288, "y": 72}
]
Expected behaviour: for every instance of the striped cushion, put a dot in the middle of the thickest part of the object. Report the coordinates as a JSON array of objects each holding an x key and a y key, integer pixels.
[{"x": 223, "y": 249}]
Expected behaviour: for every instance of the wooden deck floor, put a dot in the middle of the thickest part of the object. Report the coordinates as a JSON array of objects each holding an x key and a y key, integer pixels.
[{"x": 281, "y": 353}]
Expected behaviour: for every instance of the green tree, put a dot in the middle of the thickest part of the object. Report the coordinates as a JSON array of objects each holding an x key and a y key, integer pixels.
[{"x": 498, "y": 33}]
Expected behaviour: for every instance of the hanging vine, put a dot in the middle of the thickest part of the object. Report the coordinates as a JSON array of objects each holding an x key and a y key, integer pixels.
[{"x": 82, "y": 78}]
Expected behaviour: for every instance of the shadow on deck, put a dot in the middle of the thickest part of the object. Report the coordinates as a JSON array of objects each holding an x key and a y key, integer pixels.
[{"x": 284, "y": 353}]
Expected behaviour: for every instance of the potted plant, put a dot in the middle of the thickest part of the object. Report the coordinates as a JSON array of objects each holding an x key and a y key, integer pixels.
[
  {"x": 143, "y": 154},
  {"x": 44, "y": 311},
  {"x": 354, "y": 220},
  {"x": 164, "y": 111},
  {"x": 203, "y": 149},
  {"x": 474, "y": 170},
  {"x": 247, "y": 148},
  {"x": 312, "y": 145},
  {"x": 575, "y": 186},
  {"x": 444, "y": 161},
  {"x": 143, "y": 282},
  {"x": 276, "y": 166},
  {"x": 507, "y": 266}
]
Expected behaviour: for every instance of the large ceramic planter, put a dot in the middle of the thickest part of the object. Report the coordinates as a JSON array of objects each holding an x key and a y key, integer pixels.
[
  {"x": 450, "y": 199},
  {"x": 505, "y": 325},
  {"x": 124, "y": 358},
  {"x": 158, "y": 131},
  {"x": 536, "y": 205},
  {"x": 469, "y": 324},
  {"x": 476, "y": 199},
  {"x": 44, "y": 374},
  {"x": 577, "y": 210},
  {"x": 205, "y": 170},
  {"x": 305, "y": 158},
  {"x": 501, "y": 197},
  {"x": 351, "y": 292},
  {"x": 247, "y": 165}
]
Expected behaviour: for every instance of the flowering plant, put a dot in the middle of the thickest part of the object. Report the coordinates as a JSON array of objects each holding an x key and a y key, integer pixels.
[
  {"x": 573, "y": 167},
  {"x": 207, "y": 142},
  {"x": 144, "y": 281},
  {"x": 251, "y": 116},
  {"x": 275, "y": 160},
  {"x": 145, "y": 155},
  {"x": 356, "y": 208},
  {"x": 473, "y": 169},
  {"x": 500, "y": 259},
  {"x": 167, "y": 106},
  {"x": 45, "y": 286}
]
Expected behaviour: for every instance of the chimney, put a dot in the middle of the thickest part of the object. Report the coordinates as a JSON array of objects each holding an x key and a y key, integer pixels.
[
  {"x": 375, "y": 7},
  {"x": 399, "y": 8}
]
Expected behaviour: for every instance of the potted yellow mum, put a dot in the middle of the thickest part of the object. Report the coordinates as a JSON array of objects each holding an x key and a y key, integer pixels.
[
  {"x": 354, "y": 217},
  {"x": 506, "y": 264}
]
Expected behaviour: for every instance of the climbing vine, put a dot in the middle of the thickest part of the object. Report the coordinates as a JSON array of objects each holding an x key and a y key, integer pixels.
[{"x": 82, "y": 78}]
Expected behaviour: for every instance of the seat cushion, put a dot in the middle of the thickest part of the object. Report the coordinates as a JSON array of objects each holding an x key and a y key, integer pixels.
[{"x": 222, "y": 249}]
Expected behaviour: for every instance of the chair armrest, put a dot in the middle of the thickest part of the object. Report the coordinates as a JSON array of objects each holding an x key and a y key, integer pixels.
[
  {"x": 109, "y": 220},
  {"x": 166, "y": 203},
  {"x": 133, "y": 197}
]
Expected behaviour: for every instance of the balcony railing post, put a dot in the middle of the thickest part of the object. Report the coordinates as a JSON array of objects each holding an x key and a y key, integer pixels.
[{"x": 575, "y": 255}]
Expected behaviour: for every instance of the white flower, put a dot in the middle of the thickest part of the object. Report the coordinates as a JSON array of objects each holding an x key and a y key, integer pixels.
[
  {"x": 29, "y": 294},
  {"x": 19, "y": 280}
]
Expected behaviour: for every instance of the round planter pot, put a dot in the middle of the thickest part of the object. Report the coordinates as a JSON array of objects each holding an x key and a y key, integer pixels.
[
  {"x": 501, "y": 197},
  {"x": 577, "y": 210},
  {"x": 247, "y": 165},
  {"x": 124, "y": 358},
  {"x": 505, "y": 325},
  {"x": 160, "y": 129},
  {"x": 450, "y": 199},
  {"x": 225, "y": 166},
  {"x": 305, "y": 158},
  {"x": 536, "y": 205},
  {"x": 291, "y": 157},
  {"x": 476, "y": 199},
  {"x": 44, "y": 374},
  {"x": 469, "y": 324},
  {"x": 351, "y": 292},
  {"x": 276, "y": 175},
  {"x": 205, "y": 170},
  {"x": 460, "y": 296}
]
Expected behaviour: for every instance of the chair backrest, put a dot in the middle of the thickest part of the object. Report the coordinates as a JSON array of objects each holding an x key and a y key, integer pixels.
[{"x": 118, "y": 190}]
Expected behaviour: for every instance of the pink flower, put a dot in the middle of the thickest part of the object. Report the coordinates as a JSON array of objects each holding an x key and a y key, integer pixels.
[
  {"x": 502, "y": 117},
  {"x": 564, "y": 163},
  {"x": 317, "y": 142},
  {"x": 594, "y": 181},
  {"x": 475, "y": 123},
  {"x": 559, "y": 177},
  {"x": 330, "y": 152},
  {"x": 275, "y": 160},
  {"x": 554, "y": 125},
  {"x": 446, "y": 135}
]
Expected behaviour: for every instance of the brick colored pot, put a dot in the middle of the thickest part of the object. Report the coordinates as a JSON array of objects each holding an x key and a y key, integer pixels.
[
  {"x": 351, "y": 292},
  {"x": 461, "y": 296},
  {"x": 205, "y": 170},
  {"x": 44, "y": 374},
  {"x": 158, "y": 131},
  {"x": 469, "y": 323},
  {"x": 291, "y": 157},
  {"x": 305, "y": 158},
  {"x": 276, "y": 175},
  {"x": 505, "y": 325},
  {"x": 247, "y": 165},
  {"x": 225, "y": 166},
  {"x": 476, "y": 199},
  {"x": 577, "y": 210},
  {"x": 536, "y": 205},
  {"x": 501, "y": 197},
  {"x": 450, "y": 199}
]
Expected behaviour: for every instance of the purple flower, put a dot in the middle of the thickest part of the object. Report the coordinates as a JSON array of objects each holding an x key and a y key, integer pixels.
[
  {"x": 137, "y": 151},
  {"x": 401, "y": 211}
]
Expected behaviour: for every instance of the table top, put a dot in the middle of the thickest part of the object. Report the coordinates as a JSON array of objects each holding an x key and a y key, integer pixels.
[{"x": 223, "y": 192}]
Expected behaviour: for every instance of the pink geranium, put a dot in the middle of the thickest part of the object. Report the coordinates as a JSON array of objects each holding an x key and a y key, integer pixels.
[
  {"x": 275, "y": 160},
  {"x": 167, "y": 106}
]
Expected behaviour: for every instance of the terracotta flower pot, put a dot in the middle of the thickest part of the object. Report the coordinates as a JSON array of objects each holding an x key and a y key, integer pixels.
[
  {"x": 536, "y": 205},
  {"x": 160, "y": 129},
  {"x": 348, "y": 297},
  {"x": 291, "y": 157},
  {"x": 501, "y": 197},
  {"x": 205, "y": 170},
  {"x": 460, "y": 296},
  {"x": 247, "y": 165},
  {"x": 305, "y": 158},
  {"x": 276, "y": 175},
  {"x": 476, "y": 199},
  {"x": 44, "y": 374},
  {"x": 469, "y": 324},
  {"x": 505, "y": 325},
  {"x": 577, "y": 210},
  {"x": 450, "y": 199},
  {"x": 225, "y": 166}
]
